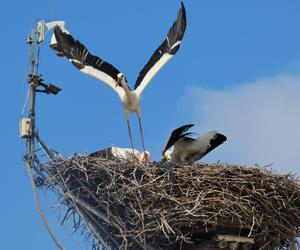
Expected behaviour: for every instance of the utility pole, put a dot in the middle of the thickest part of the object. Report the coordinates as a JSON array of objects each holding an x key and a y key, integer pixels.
[
  {"x": 28, "y": 124},
  {"x": 32, "y": 81}
]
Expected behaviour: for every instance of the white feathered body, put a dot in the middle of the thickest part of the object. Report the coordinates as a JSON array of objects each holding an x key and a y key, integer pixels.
[
  {"x": 121, "y": 153},
  {"x": 191, "y": 150}
]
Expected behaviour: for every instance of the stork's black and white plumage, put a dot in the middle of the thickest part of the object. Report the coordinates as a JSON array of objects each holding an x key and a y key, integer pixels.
[
  {"x": 64, "y": 44},
  {"x": 187, "y": 149},
  {"x": 121, "y": 154}
]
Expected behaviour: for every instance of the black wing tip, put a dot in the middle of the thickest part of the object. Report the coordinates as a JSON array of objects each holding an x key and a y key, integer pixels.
[
  {"x": 79, "y": 55},
  {"x": 183, "y": 8},
  {"x": 180, "y": 27},
  {"x": 217, "y": 140},
  {"x": 55, "y": 46},
  {"x": 63, "y": 41},
  {"x": 56, "y": 27},
  {"x": 187, "y": 126},
  {"x": 58, "y": 31},
  {"x": 175, "y": 34},
  {"x": 176, "y": 134},
  {"x": 183, "y": 18},
  {"x": 104, "y": 153},
  {"x": 220, "y": 137},
  {"x": 181, "y": 129},
  {"x": 57, "y": 49}
]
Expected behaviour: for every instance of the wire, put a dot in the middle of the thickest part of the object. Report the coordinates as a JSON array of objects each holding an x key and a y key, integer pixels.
[
  {"x": 39, "y": 207},
  {"x": 24, "y": 103}
]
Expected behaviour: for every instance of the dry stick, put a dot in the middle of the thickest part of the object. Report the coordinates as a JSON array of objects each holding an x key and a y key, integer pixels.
[
  {"x": 36, "y": 169},
  {"x": 264, "y": 245},
  {"x": 66, "y": 216},
  {"x": 45, "y": 168},
  {"x": 143, "y": 224},
  {"x": 197, "y": 180},
  {"x": 80, "y": 207},
  {"x": 90, "y": 225},
  {"x": 88, "y": 207},
  {"x": 63, "y": 187},
  {"x": 67, "y": 195},
  {"x": 101, "y": 228},
  {"x": 91, "y": 193},
  {"x": 95, "y": 198}
]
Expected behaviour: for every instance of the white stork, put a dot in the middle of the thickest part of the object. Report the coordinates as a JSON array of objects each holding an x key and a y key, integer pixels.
[
  {"x": 121, "y": 153},
  {"x": 65, "y": 45},
  {"x": 187, "y": 149}
]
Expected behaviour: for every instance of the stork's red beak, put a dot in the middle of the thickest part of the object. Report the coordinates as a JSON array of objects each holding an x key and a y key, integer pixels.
[{"x": 119, "y": 82}]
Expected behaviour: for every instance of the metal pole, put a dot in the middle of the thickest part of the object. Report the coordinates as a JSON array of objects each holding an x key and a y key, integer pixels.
[
  {"x": 33, "y": 80},
  {"x": 32, "y": 94}
]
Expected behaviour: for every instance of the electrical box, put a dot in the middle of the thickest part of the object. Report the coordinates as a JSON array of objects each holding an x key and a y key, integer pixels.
[
  {"x": 25, "y": 125},
  {"x": 41, "y": 31}
]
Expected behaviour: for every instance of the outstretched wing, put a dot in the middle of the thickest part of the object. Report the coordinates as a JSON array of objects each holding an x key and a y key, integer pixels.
[
  {"x": 65, "y": 45},
  {"x": 176, "y": 135},
  {"x": 164, "y": 52},
  {"x": 104, "y": 153},
  {"x": 216, "y": 141},
  {"x": 208, "y": 142}
]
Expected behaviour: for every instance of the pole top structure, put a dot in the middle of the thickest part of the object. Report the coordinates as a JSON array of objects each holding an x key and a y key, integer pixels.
[{"x": 36, "y": 83}]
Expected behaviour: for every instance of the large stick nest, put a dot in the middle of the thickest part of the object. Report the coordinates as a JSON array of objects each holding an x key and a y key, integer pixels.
[{"x": 167, "y": 206}]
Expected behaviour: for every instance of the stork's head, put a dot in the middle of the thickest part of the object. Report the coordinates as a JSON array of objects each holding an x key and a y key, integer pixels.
[
  {"x": 120, "y": 79},
  {"x": 166, "y": 156}
]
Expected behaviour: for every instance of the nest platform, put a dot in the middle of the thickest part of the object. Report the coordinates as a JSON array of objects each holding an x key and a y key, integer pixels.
[{"x": 127, "y": 205}]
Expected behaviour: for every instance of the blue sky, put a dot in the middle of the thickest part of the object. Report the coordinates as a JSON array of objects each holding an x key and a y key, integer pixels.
[{"x": 238, "y": 71}]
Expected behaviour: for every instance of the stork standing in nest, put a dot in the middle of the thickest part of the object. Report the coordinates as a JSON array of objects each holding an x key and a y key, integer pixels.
[
  {"x": 65, "y": 45},
  {"x": 187, "y": 149}
]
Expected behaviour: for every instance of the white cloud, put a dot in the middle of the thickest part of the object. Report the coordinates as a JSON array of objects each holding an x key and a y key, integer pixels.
[{"x": 261, "y": 120}]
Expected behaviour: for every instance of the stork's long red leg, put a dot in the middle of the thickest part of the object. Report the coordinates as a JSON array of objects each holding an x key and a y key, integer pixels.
[
  {"x": 130, "y": 136},
  {"x": 146, "y": 157},
  {"x": 141, "y": 131}
]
